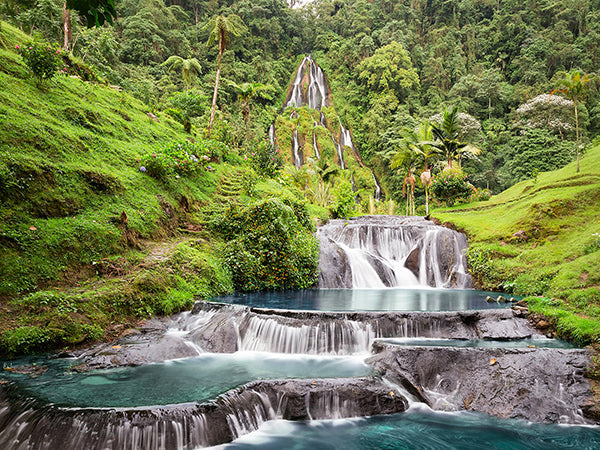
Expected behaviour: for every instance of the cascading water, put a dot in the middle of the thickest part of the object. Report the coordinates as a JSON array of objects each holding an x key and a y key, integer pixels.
[
  {"x": 314, "y": 141},
  {"x": 316, "y": 94},
  {"x": 297, "y": 151},
  {"x": 272, "y": 134},
  {"x": 340, "y": 152},
  {"x": 391, "y": 251},
  {"x": 377, "y": 188}
]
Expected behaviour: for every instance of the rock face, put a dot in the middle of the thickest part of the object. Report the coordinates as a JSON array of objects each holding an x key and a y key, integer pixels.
[
  {"x": 535, "y": 384},
  {"x": 29, "y": 424},
  {"x": 391, "y": 251},
  {"x": 223, "y": 328}
]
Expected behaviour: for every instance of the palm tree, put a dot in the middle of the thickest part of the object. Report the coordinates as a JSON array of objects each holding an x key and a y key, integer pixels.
[
  {"x": 249, "y": 91},
  {"x": 419, "y": 140},
  {"x": 189, "y": 67},
  {"x": 573, "y": 86},
  {"x": 447, "y": 136},
  {"x": 406, "y": 159},
  {"x": 221, "y": 29}
]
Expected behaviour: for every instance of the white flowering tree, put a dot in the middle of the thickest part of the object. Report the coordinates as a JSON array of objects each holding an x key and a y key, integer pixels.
[{"x": 551, "y": 112}]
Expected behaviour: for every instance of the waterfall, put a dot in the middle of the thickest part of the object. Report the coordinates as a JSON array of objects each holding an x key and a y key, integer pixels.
[
  {"x": 295, "y": 98},
  {"x": 323, "y": 121},
  {"x": 391, "y": 251},
  {"x": 311, "y": 76},
  {"x": 297, "y": 151},
  {"x": 30, "y": 424},
  {"x": 377, "y": 188},
  {"x": 314, "y": 140},
  {"x": 272, "y": 134},
  {"x": 340, "y": 152},
  {"x": 238, "y": 328},
  {"x": 346, "y": 138}
]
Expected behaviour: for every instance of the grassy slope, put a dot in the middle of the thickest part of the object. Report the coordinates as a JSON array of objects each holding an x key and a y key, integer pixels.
[
  {"x": 68, "y": 171},
  {"x": 559, "y": 256}
]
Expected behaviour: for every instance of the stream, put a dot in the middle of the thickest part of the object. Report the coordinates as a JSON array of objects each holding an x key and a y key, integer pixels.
[{"x": 423, "y": 364}]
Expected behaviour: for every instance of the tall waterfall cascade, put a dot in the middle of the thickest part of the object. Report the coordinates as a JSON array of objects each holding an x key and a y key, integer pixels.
[
  {"x": 391, "y": 251},
  {"x": 316, "y": 94},
  {"x": 309, "y": 88}
]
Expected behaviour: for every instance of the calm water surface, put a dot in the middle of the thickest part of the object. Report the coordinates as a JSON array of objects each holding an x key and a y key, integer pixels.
[
  {"x": 369, "y": 300},
  {"x": 419, "y": 429}
]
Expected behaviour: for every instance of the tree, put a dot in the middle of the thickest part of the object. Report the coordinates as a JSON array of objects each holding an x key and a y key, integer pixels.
[
  {"x": 189, "y": 67},
  {"x": 221, "y": 29},
  {"x": 546, "y": 111},
  {"x": 249, "y": 91},
  {"x": 448, "y": 135},
  {"x": 96, "y": 12},
  {"x": 406, "y": 160},
  {"x": 573, "y": 86}
]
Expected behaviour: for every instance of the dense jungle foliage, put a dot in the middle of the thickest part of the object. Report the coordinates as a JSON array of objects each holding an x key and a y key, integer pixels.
[
  {"x": 126, "y": 193},
  {"x": 391, "y": 65}
]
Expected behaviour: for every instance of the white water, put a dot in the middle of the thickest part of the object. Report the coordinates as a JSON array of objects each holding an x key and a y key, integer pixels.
[
  {"x": 296, "y": 151},
  {"x": 316, "y": 94},
  {"x": 377, "y": 248}
]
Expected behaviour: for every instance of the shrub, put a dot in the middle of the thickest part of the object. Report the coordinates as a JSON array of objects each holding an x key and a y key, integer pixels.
[
  {"x": 42, "y": 59},
  {"x": 345, "y": 203},
  {"x": 480, "y": 195},
  {"x": 265, "y": 159},
  {"x": 450, "y": 186},
  {"x": 270, "y": 246},
  {"x": 181, "y": 159}
]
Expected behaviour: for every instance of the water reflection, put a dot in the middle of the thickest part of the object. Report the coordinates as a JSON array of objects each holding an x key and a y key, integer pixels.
[{"x": 368, "y": 300}]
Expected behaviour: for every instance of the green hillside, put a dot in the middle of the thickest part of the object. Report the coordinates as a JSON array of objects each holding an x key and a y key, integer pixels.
[
  {"x": 541, "y": 238},
  {"x": 97, "y": 233}
]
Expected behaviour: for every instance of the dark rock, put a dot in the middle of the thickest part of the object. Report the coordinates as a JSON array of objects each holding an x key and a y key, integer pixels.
[
  {"x": 413, "y": 261},
  {"x": 520, "y": 235},
  {"x": 490, "y": 299},
  {"x": 192, "y": 425},
  {"x": 541, "y": 385}
]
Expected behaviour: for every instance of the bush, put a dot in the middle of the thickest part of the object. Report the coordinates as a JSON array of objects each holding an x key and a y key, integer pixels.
[
  {"x": 42, "y": 59},
  {"x": 182, "y": 159},
  {"x": 345, "y": 203},
  {"x": 270, "y": 246},
  {"x": 480, "y": 195},
  {"x": 450, "y": 186},
  {"x": 265, "y": 159}
]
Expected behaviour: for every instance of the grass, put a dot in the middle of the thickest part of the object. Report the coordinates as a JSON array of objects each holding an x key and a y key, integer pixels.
[
  {"x": 78, "y": 217},
  {"x": 540, "y": 238},
  {"x": 89, "y": 244}
]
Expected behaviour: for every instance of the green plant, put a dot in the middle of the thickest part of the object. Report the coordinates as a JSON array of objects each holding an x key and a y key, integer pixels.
[
  {"x": 450, "y": 186},
  {"x": 345, "y": 204},
  {"x": 42, "y": 59},
  {"x": 266, "y": 159},
  {"x": 270, "y": 246},
  {"x": 184, "y": 158},
  {"x": 592, "y": 246}
]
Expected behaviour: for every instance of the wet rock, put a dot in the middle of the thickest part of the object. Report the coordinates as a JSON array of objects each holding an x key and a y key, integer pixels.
[
  {"x": 413, "y": 261},
  {"x": 490, "y": 299},
  {"x": 541, "y": 385},
  {"x": 191, "y": 425}
]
